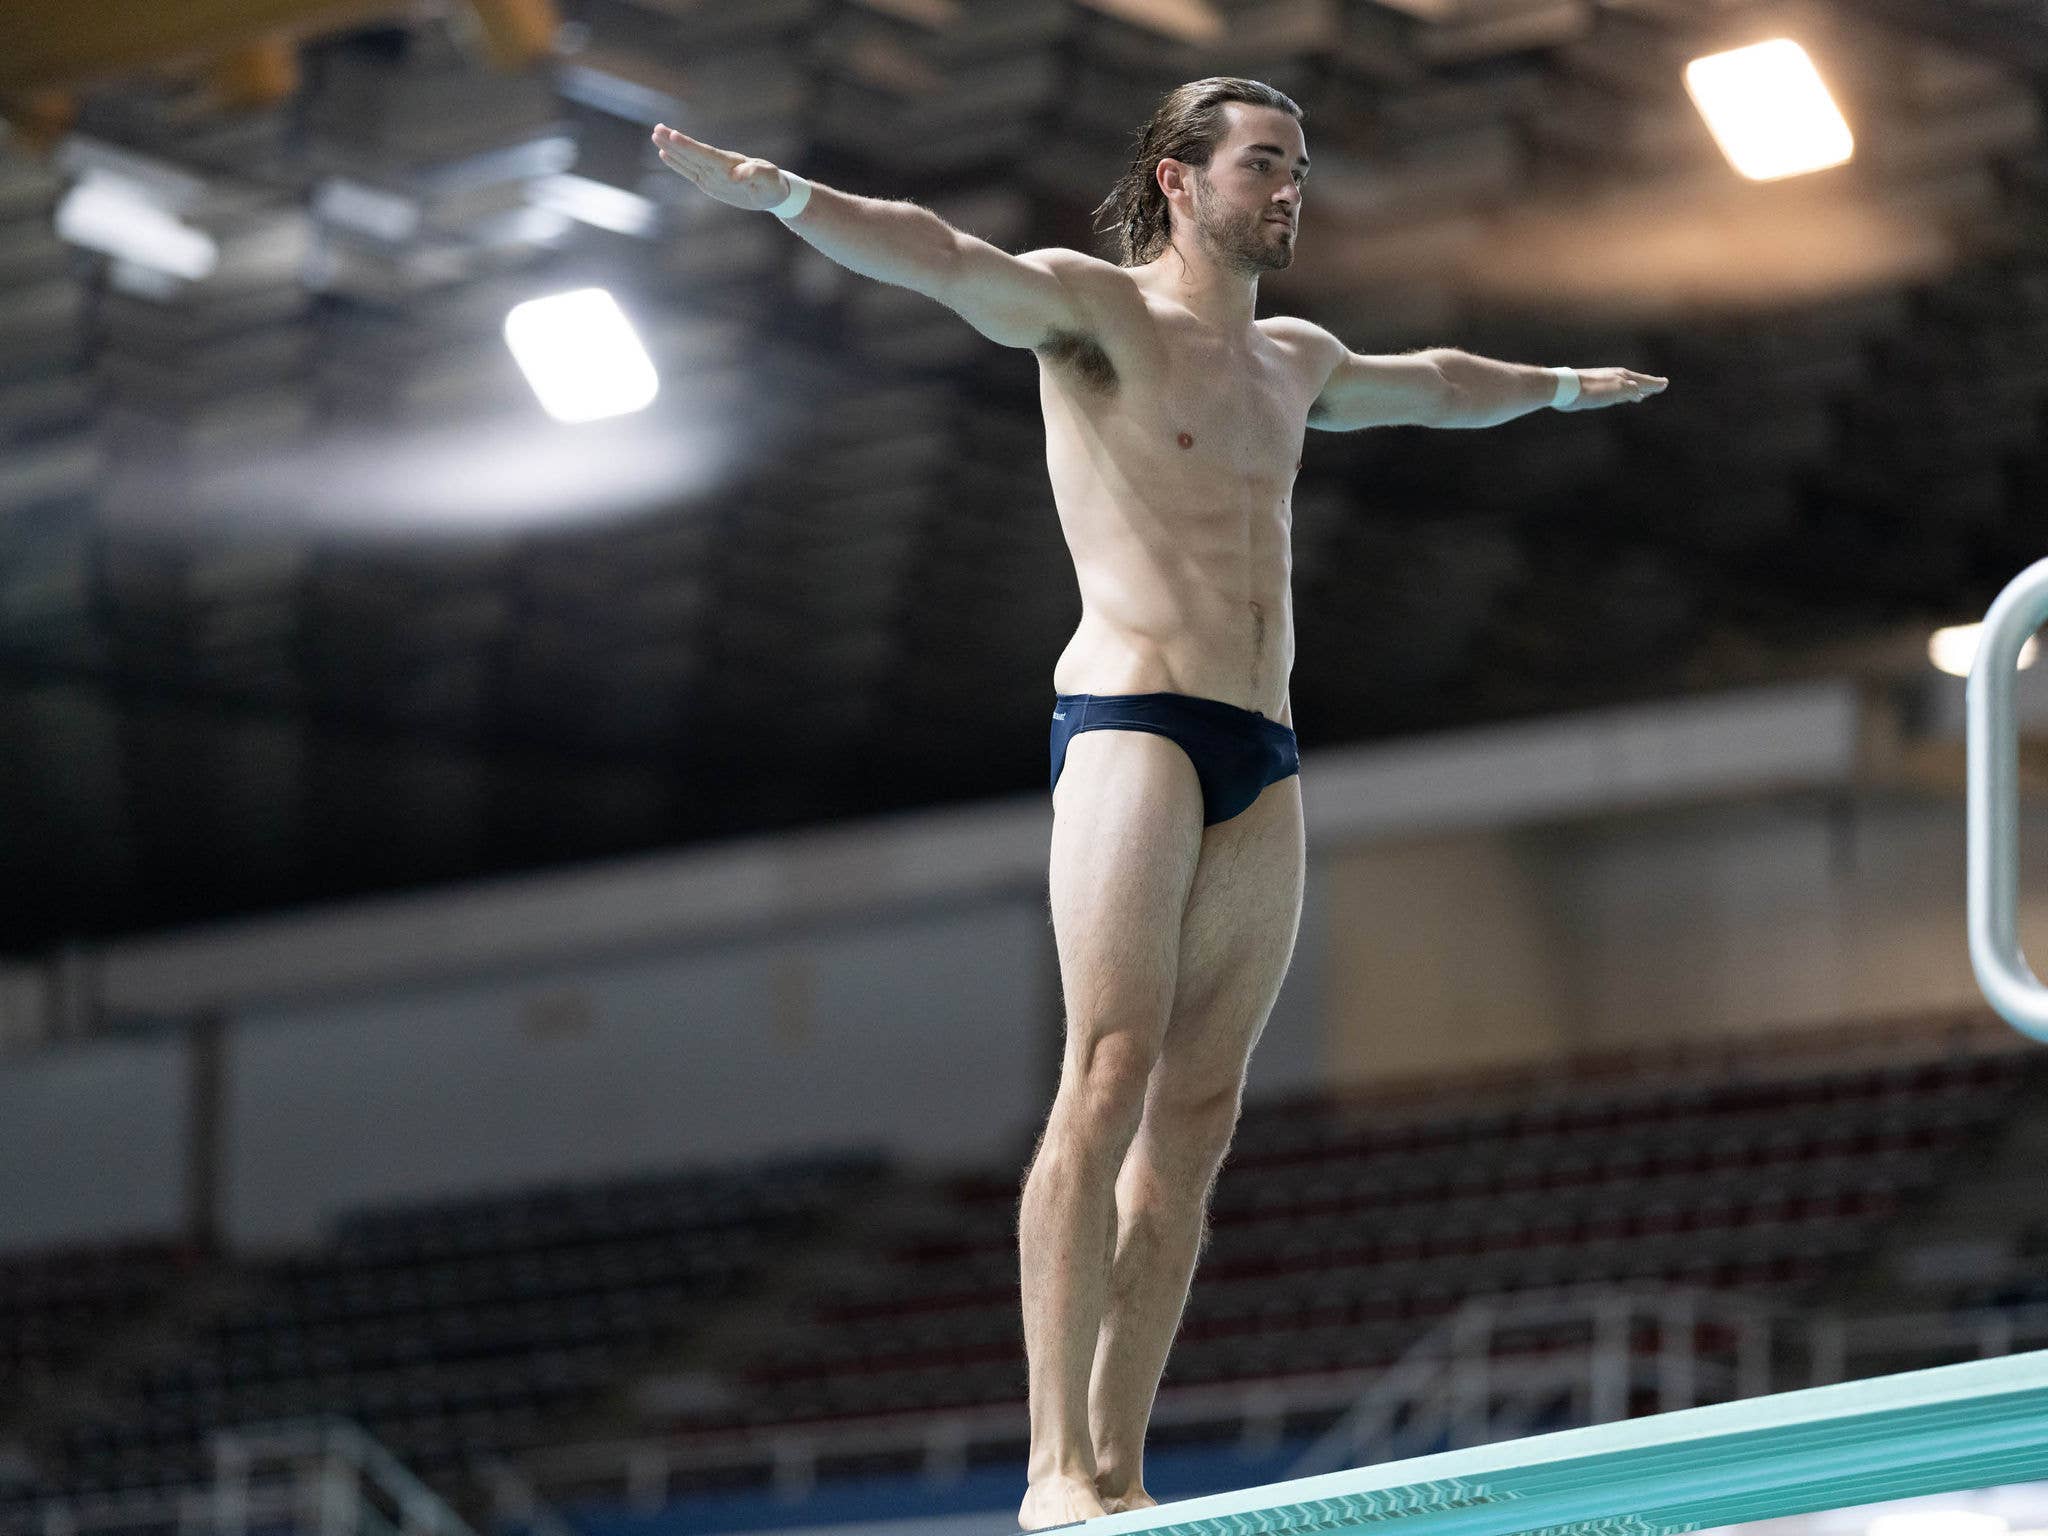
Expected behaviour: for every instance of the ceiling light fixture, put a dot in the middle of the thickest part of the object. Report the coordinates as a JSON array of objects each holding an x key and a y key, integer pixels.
[
  {"x": 1769, "y": 110},
  {"x": 581, "y": 355}
]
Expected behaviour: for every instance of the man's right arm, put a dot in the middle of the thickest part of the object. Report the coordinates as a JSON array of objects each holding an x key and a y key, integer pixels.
[{"x": 1018, "y": 301}]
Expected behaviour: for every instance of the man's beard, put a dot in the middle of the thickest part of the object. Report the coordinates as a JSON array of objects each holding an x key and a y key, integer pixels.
[{"x": 1240, "y": 240}]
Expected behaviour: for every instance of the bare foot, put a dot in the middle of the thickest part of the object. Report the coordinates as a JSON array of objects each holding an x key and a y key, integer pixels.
[
  {"x": 1058, "y": 1501},
  {"x": 1117, "y": 1500}
]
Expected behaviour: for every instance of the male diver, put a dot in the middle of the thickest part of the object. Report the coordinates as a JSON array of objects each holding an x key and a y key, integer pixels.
[{"x": 1174, "y": 424}]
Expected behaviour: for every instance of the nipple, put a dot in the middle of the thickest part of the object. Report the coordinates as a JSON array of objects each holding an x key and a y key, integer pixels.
[{"x": 1186, "y": 440}]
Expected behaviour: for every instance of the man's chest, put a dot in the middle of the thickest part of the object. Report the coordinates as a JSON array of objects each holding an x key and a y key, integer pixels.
[{"x": 1228, "y": 410}]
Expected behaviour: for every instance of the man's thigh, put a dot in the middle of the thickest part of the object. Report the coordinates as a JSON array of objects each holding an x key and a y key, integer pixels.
[
  {"x": 1126, "y": 836},
  {"x": 1236, "y": 940}
]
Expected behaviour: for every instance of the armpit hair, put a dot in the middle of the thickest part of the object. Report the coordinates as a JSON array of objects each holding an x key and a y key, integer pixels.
[{"x": 1081, "y": 353}]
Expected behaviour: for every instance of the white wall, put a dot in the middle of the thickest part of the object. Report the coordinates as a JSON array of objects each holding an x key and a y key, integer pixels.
[
  {"x": 1488, "y": 948},
  {"x": 931, "y": 1036},
  {"x": 1290, "y": 1054},
  {"x": 92, "y": 1143},
  {"x": 1443, "y": 953},
  {"x": 1779, "y": 915}
]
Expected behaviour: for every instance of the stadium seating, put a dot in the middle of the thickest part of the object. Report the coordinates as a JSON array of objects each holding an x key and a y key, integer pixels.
[
  {"x": 55, "y": 1306},
  {"x": 1338, "y": 1229},
  {"x": 1343, "y": 1224},
  {"x": 460, "y": 1328}
]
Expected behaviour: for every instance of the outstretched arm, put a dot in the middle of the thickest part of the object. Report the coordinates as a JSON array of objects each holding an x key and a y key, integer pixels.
[
  {"x": 1442, "y": 387},
  {"x": 1485, "y": 393},
  {"x": 1018, "y": 301}
]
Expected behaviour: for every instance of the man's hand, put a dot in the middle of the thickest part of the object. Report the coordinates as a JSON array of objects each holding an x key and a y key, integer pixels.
[
  {"x": 1602, "y": 387},
  {"x": 736, "y": 179}
]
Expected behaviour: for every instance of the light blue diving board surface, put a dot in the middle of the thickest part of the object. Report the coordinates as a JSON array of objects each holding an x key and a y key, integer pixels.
[{"x": 1975, "y": 1425}]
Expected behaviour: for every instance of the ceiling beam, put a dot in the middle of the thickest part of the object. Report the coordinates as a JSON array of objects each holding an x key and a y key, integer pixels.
[
  {"x": 1183, "y": 21},
  {"x": 54, "y": 44}
]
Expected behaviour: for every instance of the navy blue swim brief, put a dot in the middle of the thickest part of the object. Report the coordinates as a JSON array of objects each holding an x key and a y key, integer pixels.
[{"x": 1236, "y": 752}]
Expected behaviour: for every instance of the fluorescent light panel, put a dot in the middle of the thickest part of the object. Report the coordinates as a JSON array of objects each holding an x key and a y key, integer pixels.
[
  {"x": 373, "y": 211},
  {"x": 107, "y": 213},
  {"x": 1769, "y": 111},
  {"x": 593, "y": 202},
  {"x": 581, "y": 355}
]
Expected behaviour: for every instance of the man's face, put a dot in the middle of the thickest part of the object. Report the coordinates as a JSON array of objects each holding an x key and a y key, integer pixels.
[{"x": 1248, "y": 198}]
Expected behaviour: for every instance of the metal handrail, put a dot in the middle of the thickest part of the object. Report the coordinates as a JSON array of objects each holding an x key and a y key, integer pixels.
[
  {"x": 642, "y": 1466},
  {"x": 2008, "y": 983},
  {"x": 327, "y": 1468}
]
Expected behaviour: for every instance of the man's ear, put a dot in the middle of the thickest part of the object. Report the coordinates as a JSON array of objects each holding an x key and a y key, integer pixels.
[{"x": 1172, "y": 176}]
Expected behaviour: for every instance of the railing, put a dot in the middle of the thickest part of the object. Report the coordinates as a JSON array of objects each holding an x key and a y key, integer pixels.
[
  {"x": 1495, "y": 1368},
  {"x": 2008, "y": 983},
  {"x": 1773, "y": 1350},
  {"x": 1453, "y": 1387},
  {"x": 318, "y": 1477},
  {"x": 1497, "y": 1357}
]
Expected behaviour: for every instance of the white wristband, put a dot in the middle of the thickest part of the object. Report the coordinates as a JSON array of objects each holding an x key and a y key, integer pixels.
[
  {"x": 1567, "y": 387},
  {"x": 799, "y": 195}
]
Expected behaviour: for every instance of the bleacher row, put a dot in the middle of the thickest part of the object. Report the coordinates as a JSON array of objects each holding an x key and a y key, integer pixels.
[
  {"x": 2026, "y": 1284},
  {"x": 1333, "y": 1242},
  {"x": 54, "y": 1307},
  {"x": 1341, "y": 1228},
  {"x": 457, "y": 1329}
]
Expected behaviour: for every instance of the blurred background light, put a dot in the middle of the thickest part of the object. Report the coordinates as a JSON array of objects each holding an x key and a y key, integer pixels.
[
  {"x": 1954, "y": 649},
  {"x": 593, "y": 203},
  {"x": 581, "y": 355},
  {"x": 108, "y": 213},
  {"x": 1769, "y": 110},
  {"x": 366, "y": 210},
  {"x": 464, "y": 480}
]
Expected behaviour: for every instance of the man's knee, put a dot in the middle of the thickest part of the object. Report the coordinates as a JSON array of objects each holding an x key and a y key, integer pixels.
[
  {"x": 1198, "y": 1121},
  {"x": 1103, "y": 1088}
]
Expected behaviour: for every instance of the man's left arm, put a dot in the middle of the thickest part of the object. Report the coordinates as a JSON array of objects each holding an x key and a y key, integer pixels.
[
  {"x": 1443, "y": 387},
  {"x": 1485, "y": 393}
]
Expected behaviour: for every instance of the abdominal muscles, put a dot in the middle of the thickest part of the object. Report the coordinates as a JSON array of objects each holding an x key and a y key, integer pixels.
[
  {"x": 1180, "y": 621},
  {"x": 1179, "y": 535}
]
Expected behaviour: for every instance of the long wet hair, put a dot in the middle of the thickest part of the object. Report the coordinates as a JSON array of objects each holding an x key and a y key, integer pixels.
[{"x": 1186, "y": 127}]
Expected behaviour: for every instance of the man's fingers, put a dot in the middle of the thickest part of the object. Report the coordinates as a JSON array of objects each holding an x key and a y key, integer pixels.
[
  {"x": 687, "y": 172},
  {"x": 703, "y": 156}
]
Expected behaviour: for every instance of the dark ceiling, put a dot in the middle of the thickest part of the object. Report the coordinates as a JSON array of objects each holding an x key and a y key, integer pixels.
[{"x": 301, "y": 595}]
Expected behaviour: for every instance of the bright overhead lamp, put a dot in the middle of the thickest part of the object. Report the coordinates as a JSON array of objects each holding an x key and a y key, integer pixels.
[
  {"x": 1769, "y": 111},
  {"x": 581, "y": 355}
]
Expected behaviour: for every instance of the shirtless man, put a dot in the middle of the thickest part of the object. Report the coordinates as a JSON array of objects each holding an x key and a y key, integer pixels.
[{"x": 1174, "y": 424}]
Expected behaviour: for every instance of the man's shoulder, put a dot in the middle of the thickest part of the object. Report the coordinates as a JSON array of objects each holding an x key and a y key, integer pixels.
[
  {"x": 1063, "y": 259},
  {"x": 1295, "y": 331},
  {"x": 1103, "y": 296},
  {"x": 1307, "y": 347},
  {"x": 1080, "y": 272}
]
